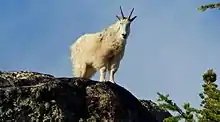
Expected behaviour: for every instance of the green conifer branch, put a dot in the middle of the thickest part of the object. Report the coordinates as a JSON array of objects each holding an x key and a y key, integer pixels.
[
  {"x": 210, "y": 105},
  {"x": 209, "y": 6}
]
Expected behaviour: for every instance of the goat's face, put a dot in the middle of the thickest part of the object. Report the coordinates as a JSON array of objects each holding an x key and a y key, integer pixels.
[
  {"x": 124, "y": 28},
  {"x": 124, "y": 24}
]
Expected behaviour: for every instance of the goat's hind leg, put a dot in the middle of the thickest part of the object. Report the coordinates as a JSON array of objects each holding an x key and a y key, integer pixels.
[
  {"x": 80, "y": 70},
  {"x": 90, "y": 71}
]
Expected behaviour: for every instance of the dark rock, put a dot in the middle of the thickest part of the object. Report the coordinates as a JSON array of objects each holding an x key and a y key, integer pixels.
[
  {"x": 31, "y": 96},
  {"x": 159, "y": 113}
]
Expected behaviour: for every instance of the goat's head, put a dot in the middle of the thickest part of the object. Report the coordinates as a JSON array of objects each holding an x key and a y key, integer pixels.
[{"x": 124, "y": 24}]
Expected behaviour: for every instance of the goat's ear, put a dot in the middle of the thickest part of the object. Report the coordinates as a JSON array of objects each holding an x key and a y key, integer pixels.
[
  {"x": 118, "y": 17},
  {"x": 132, "y": 19}
]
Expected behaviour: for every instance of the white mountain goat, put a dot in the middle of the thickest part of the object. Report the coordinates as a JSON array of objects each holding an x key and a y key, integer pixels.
[{"x": 101, "y": 51}]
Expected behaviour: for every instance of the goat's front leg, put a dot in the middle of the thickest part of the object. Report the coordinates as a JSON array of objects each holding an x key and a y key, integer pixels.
[
  {"x": 113, "y": 68},
  {"x": 102, "y": 74}
]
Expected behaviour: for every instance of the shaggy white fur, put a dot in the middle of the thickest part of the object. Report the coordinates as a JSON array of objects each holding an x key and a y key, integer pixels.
[{"x": 101, "y": 51}]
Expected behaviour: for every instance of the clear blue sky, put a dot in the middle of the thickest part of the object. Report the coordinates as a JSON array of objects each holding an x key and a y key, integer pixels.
[{"x": 171, "y": 43}]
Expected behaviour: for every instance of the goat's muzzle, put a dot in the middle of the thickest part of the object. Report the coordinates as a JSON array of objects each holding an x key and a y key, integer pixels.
[{"x": 124, "y": 35}]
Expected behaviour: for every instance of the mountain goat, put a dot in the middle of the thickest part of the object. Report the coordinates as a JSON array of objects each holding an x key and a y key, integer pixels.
[{"x": 101, "y": 51}]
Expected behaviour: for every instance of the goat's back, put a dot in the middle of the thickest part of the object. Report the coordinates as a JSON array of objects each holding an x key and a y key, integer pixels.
[
  {"x": 87, "y": 47},
  {"x": 100, "y": 46}
]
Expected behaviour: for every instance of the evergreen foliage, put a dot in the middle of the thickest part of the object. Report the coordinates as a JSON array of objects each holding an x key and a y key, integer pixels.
[
  {"x": 209, "y": 6},
  {"x": 209, "y": 110}
]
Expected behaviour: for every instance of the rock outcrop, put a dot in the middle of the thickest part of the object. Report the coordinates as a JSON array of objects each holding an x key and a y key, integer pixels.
[{"x": 31, "y": 96}]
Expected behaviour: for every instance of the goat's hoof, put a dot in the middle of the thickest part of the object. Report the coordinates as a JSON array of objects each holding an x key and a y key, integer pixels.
[
  {"x": 112, "y": 81},
  {"x": 102, "y": 80}
]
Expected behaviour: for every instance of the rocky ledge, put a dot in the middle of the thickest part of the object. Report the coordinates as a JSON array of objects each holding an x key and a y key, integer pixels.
[{"x": 31, "y": 96}]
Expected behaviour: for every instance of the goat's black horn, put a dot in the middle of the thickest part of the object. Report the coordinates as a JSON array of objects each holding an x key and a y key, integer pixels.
[
  {"x": 131, "y": 13},
  {"x": 122, "y": 13}
]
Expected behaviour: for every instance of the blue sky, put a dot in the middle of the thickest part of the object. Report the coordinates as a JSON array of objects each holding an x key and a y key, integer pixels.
[{"x": 170, "y": 46}]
